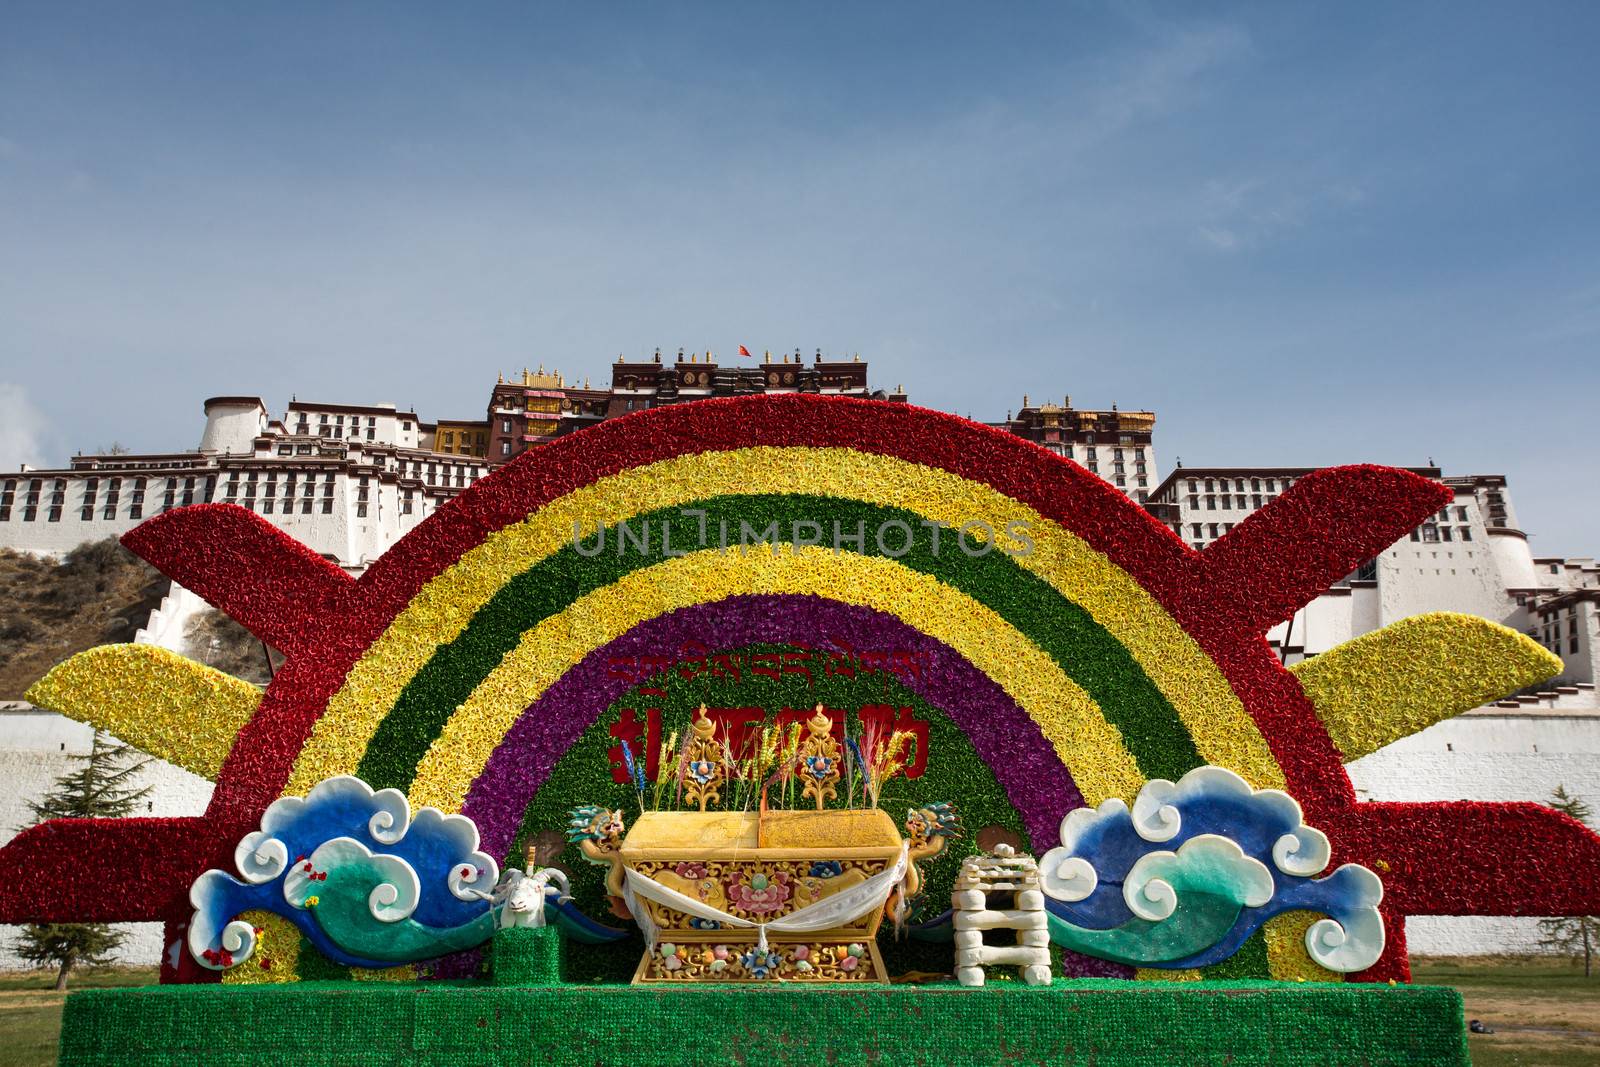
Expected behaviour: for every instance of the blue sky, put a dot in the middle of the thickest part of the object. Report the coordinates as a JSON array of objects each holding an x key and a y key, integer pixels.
[{"x": 1302, "y": 234}]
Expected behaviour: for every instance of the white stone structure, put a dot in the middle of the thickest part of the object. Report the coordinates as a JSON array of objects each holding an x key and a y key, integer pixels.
[
  {"x": 1514, "y": 750},
  {"x": 346, "y": 480},
  {"x": 977, "y": 911},
  {"x": 1470, "y": 557},
  {"x": 36, "y": 747},
  {"x": 168, "y": 625}
]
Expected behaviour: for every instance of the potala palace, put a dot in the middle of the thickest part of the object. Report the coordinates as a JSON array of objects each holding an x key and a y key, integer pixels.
[{"x": 349, "y": 480}]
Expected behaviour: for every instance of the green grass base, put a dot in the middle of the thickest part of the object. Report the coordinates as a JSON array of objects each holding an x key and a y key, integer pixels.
[
  {"x": 525, "y": 957},
  {"x": 1072, "y": 1022}
]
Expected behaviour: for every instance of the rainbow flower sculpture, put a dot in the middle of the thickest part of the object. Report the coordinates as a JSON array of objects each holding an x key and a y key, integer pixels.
[{"x": 1086, "y": 653}]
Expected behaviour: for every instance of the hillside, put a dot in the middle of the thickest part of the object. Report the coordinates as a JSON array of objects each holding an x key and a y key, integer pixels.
[
  {"x": 49, "y": 609},
  {"x": 217, "y": 641}
]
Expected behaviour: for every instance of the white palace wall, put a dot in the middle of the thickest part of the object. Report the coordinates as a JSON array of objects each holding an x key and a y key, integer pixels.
[
  {"x": 36, "y": 747},
  {"x": 1488, "y": 754}
]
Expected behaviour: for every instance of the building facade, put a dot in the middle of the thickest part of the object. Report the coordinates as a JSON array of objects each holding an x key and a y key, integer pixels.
[
  {"x": 537, "y": 406},
  {"x": 457, "y": 438},
  {"x": 1116, "y": 445},
  {"x": 1472, "y": 557},
  {"x": 346, "y": 480},
  {"x": 350, "y": 480}
]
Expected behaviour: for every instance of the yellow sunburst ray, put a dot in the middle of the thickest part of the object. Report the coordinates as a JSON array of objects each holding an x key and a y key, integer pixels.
[
  {"x": 1393, "y": 682},
  {"x": 157, "y": 701}
]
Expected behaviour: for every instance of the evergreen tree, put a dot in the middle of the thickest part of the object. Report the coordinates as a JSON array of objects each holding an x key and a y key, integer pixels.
[
  {"x": 103, "y": 787},
  {"x": 1571, "y": 934}
]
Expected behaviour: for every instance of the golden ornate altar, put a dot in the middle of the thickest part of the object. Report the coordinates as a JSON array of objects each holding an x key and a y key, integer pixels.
[
  {"x": 743, "y": 896},
  {"x": 761, "y": 868}
]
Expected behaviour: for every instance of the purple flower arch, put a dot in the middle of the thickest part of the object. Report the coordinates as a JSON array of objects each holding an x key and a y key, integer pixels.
[{"x": 1024, "y": 763}]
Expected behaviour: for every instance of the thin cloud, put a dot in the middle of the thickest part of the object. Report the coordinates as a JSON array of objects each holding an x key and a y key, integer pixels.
[
  {"x": 1248, "y": 212},
  {"x": 1158, "y": 80},
  {"x": 21, "y": 429}
]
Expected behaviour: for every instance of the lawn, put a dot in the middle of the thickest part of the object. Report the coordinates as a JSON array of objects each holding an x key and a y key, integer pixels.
[
  {"x": 1544, "y": 1013},
  {"x": 30, "y": 1009}
]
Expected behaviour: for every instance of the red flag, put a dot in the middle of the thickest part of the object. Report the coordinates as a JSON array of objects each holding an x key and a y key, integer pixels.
[{"x": 743, "y": 351}]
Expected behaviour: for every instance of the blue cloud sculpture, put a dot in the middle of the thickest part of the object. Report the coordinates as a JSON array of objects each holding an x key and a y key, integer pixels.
[
  {"x": 1194, "y": 868},
  {"x": 367, "y": 882}
]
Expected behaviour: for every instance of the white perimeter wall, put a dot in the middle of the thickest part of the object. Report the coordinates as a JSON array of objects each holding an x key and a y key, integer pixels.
[
  {"x": 1482, "y": 756},
  {"x": 35, "y": 747},
  {"x": 1478, "y": 756}
]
